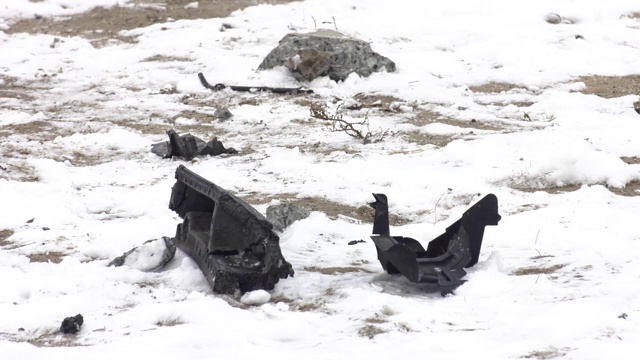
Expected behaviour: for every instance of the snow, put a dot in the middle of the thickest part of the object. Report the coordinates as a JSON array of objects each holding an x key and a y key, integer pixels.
[
  {"x": 99, "y": 191},
  {"x": 256, "y": 297}
]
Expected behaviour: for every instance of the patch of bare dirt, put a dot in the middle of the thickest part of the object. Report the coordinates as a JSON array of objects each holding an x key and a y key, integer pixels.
[
  {"x": 164, "y": 58},
  {"x": 332, "y": 209},
  {"x": 538, "y": 270},
  {"x": 630, "y": 160},
  {"x": 494, "y": 87},
  {"x": 499, "y": 88},
  {"x": 551, "y": 189},
  {"x": 37, "y": 130},
  {"x": 632, "y": 15},
  {"x": 551, "y": 353},
  {"x": 611, "y": 86},
  {"x": 426, "y": 117},
  {"x": 378, "y": 101},
  {"x": 15, "y": 170},
  {"x": 48, "y": 257},
  {"x": 297, "y": 305},
  {"x": 335, "y": 269},
  {"x": 5, "y": 234},
  {"x": 12, "y": 88},
  {"x": 631, "y": 189},
  {"x": 420, "y": 138},
  {"x": 370, "y": 331},
  {"x": 101, "y": 25}
]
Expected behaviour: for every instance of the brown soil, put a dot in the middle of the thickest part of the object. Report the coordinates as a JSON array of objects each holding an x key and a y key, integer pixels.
[
  {"x": 4, "y": 236},
  {"x": 538, "y": 270},
  {"x": 632, "y": 189},
  {"x": 494, "y": 87},
  {"x": 611, "y": 86},
  {"x": 370, "y": 331},
  {"x": 51, "y": 256},
  {"x": 335, "y": 270},
  {"x": 420, "y": 138},
  {"x": 332, "y": 209},
  {"x": 632, "y": 15},
  {"x": 630, "y": 160},
  {"x": 426, "y": 117},
  {"x": 551, "y": 189},
  {"x": 102, "y": 25}
]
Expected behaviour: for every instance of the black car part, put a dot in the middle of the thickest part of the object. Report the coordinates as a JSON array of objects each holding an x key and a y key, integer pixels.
[
  {"x": 275, "y": 90},
  {"x": 232, "y": 243},
  {"x": 188, "y": 146},
  {"x": 442, "y": 263}
]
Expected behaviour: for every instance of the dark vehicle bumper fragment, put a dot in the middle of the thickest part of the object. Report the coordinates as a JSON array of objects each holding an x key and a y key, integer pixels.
[
  {"x": 232, "y": 243},
  {"x": 442, "y": 263}
]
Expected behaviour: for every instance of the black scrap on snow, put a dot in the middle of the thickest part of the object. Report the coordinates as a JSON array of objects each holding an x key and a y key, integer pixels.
[
  {"x": 72, "y": 324},
  {"x": 275, "y": 90},
  {"x": 442, "y": 263},
  {"x": 232, "y": 243},
  {"x": 188, "y": 147}
]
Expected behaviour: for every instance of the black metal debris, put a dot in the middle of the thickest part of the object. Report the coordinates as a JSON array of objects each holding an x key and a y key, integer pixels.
[
  {"x": 188, "y": 146},
  {"x": 442, "y": 264},
  {"x": 275, "y": 90},
  {"x": 232, "y": 243},
  {"x": 72, "y": 324}
]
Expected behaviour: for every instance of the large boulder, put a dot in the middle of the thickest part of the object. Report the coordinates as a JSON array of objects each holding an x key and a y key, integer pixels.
[
  {"x": 325, "y": 53},
  {"x": 283, "y": 215}
]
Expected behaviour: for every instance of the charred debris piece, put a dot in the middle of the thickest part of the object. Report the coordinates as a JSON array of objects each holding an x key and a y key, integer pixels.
[
  {"x": 188, "y": 146},
  {"x": 72, "y": 324},
  {"x": 442, "y": 263},
  {"x": 232, "y": 243},
  {"x": 275, "y": 90}
]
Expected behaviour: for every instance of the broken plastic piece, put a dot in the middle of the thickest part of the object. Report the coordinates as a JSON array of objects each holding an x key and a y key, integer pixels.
[
  {"x": 443, "y": 263},
  {"x": 72, "y": 324},
  {"x": 232, "y": 243},
  {"x": 188, "y": 146}
]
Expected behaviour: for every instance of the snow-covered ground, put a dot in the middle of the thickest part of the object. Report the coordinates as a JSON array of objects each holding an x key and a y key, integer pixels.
[{"x": 557, "y": 278}]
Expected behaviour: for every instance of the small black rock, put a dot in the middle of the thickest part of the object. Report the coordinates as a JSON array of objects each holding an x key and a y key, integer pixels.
[{"x": 72, "y": 324}]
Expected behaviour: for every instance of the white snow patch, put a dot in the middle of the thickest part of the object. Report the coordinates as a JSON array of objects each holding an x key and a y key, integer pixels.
[{"x": 256, "y": 297}]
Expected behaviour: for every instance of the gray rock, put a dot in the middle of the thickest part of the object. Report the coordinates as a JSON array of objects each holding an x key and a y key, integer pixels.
[
  {"x": 150, "y": 256},
  {"x": 283, "y": 215},
  {"x": 222, "y": 113},
  {"x": 325, "y": 53},
  {"x": 556, "y": 19}
]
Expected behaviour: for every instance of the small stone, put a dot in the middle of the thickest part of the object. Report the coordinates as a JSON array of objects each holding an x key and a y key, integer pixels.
[
  {"x": 222, "y": 113},
  {"x": 556, "y": 19},
  {"x": 552, "y": 18}
]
